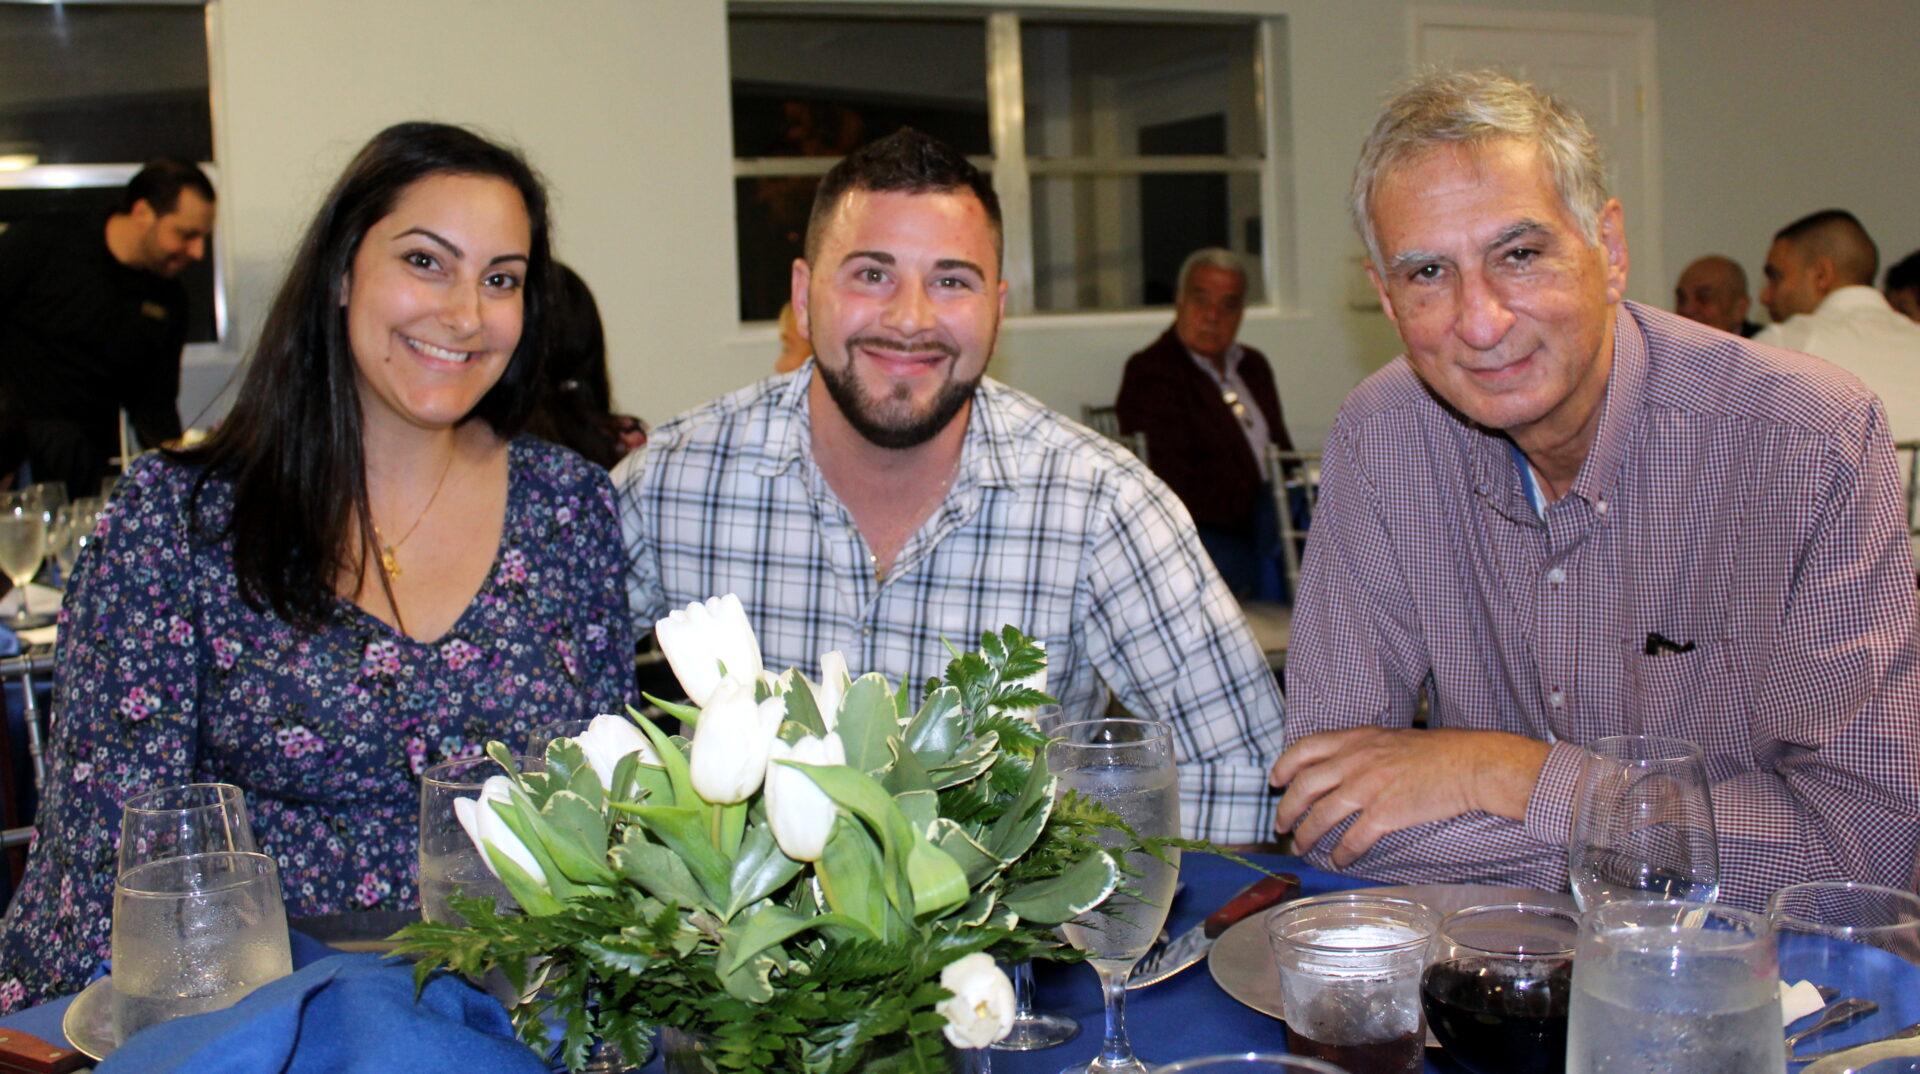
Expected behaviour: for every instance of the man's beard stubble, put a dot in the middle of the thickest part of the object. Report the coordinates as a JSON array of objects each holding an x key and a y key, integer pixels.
[{"x": 864, "y": 415}]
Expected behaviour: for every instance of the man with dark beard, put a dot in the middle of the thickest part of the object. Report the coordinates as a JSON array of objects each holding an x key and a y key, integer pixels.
[{"x": 888, "y": 497}]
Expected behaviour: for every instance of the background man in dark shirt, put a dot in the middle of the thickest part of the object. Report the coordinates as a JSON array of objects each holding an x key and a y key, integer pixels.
[
  {"x": 1209, "y": 408},
  {"x": 92, "y": 320}
]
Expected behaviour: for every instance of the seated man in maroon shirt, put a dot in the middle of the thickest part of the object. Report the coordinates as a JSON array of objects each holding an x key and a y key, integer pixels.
[
  {"x": 1209, "y": 408},
  {"x": 1561, "y": 516}
]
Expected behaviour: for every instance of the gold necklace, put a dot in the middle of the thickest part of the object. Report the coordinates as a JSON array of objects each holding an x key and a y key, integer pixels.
[{"x": 389, "y": 561}]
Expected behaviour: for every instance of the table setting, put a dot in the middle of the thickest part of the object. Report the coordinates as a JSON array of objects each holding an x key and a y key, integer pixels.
[{"x": 625, "y": 898}]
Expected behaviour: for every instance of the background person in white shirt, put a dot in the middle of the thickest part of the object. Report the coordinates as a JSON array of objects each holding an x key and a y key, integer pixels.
[{"x": 1820, "y": 294}]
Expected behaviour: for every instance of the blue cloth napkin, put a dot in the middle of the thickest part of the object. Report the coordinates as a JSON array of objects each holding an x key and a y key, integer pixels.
[{"x": 346, "y": 1014}]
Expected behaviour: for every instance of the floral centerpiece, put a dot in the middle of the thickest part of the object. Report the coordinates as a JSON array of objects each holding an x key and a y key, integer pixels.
[{"x": 812, "y": 883}]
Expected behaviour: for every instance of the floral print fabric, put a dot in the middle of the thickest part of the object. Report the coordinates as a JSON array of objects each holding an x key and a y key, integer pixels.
[{"x": 166, "y": 676}]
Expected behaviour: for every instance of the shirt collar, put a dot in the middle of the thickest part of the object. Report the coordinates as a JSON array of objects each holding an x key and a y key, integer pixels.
[
  {"x": 1230, "y": 366},
  {"x": 1852, "y": 297}
]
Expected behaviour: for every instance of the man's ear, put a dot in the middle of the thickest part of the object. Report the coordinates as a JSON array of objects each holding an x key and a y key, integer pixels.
[
  {"x": 1613, "y": 242},
  {"x": 1824, "y": 274},
  {"x": 797, "y": 294},
  {"x": 1379, "y": 288}
]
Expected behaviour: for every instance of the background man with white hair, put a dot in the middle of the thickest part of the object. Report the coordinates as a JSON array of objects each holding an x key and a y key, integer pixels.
[
  {"x": 1209, "y": 408},
  {"x": 1561, "y": 516}
]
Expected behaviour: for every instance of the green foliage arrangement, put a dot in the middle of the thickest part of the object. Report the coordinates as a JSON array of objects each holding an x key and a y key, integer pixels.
[{"x": 646, "y": 903}]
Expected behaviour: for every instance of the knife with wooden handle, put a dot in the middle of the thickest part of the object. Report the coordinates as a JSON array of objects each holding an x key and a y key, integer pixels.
[
  {"x": 27, "y": 1054},
  {"x": 1192, "y": 945}
]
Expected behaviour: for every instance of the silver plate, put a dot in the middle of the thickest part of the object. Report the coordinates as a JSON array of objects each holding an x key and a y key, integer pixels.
[
  {"x": 88, "y": 1022},
  {"x": 1242, "y": 963}
]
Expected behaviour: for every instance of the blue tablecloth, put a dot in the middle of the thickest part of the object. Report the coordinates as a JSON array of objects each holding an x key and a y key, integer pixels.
[{"x": 1184, "y": 1017}]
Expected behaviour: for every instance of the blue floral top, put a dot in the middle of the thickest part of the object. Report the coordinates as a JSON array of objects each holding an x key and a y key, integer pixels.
[{"x": 166, "y": 676}]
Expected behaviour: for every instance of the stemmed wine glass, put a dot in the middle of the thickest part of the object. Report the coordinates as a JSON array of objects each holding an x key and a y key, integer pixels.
[
  {"x": 23, "y": 544},
  {"x": 1862, "y": 942},
  {"x": 1643, "y": 823},
  {"x": 1126, "y": 766}
]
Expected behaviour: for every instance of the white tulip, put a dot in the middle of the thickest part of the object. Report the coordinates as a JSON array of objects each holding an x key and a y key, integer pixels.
[
  {"x": 701, "y": 638},
  {"x": 832, "y": 688},
  {"x": 800, "y": 812},
  {"x": 486, "y": 828},
  {"x": 732, "y": 742},
  {"x": 607, "y": 740},
  {"x": 981, "y": 1008}
]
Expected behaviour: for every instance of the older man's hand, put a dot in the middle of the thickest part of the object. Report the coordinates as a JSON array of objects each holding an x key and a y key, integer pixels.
[{"x": 1388, "y": 779}]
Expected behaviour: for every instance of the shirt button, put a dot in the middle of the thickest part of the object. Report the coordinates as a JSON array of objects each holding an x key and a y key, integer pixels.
[
  {"x": 1557, "y": 699},
  {"x": 866, "y": 632},
  {"x": 1556, "y": 576},
  {"x": 1600, "y": 507}
]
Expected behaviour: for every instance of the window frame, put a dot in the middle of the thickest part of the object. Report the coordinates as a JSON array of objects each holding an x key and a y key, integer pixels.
[{"x": 1013, "y": 170}]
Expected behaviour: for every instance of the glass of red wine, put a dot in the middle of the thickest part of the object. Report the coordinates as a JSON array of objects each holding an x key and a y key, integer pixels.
[{"x": 1497, "y": 986}]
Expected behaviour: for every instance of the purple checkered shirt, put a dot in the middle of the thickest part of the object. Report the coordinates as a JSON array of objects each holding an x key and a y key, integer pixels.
[
  {"x": 1049, "y": 527},
  {"x": 1737, "y": 496}
]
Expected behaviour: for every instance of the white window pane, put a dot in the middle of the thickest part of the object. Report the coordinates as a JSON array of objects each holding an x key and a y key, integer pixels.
[
  {"x": 1140, "y": 89},
  {"x": 1109, "y": 242}
]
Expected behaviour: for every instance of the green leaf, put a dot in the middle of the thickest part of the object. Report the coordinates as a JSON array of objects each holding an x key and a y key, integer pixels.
[
  {"x": 759, "y": 870},
  {"x": 866, "y": 723},
  {"x": 672, "y": 762},
  {"x": 937, "y": 881},
  {"x": 750, "y": 981},
  {"x": 802, "y": 709},
  {"x": 762, "y": 929},
  {"x": 577, "y": 837},
  {"x": 684, "y": 831},
  {"x": 1014, "y": 833},
  {"x": 937, "y": 727},
  {"x": 906, "y": 773},
  {"x": 533, "y": 831},
  {"x": 974, "y": 860},
  {"x": 850, "y": 871},
  {"x": 974, "y": 758},
  {"x": 687, "y": 714},
  {"x": 528, "y": 892},
  {"x": 658, "y": 871},
  {"x": 1085, "y": 885}
]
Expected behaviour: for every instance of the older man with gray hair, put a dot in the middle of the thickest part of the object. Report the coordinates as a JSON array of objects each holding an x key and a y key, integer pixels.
[
  {"x": 1209, "y": 408},
  {"x": 1561, "y": 516}
]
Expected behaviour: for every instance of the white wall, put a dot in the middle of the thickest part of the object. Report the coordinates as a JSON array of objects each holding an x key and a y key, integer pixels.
[
  {"x": 623, "y": 105},
  {"x": 1775, "y": 109}
]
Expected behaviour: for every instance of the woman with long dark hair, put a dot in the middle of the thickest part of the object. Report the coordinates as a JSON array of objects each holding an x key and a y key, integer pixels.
[{"x": 364, "y": 571}]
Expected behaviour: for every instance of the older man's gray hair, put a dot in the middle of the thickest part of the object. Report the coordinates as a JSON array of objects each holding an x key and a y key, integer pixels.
[
  {"x": 1209, "y": 255},
  {"x": 1474, "y": 109}
]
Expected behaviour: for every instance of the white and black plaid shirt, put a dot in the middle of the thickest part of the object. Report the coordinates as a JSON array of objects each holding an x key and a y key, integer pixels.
[
  {"x": 1049, "y": 527},
  {"x": 1730, "y": 567}
]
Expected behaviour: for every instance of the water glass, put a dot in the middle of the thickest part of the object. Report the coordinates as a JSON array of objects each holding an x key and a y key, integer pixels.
[
  {"x": 1497, "y": 986},
  {"x": 1350, "y": 969},
  {"x": 1126, "y": 766},
  {"x": 1859, "y": 939},
  {"x": 194, "y": 934},
  {"x": 1643, "y": 823},
  {"x": 449, "y": 862},
  {"x": 173, "y": 822},
  {"x": 1679, "y": 987}
]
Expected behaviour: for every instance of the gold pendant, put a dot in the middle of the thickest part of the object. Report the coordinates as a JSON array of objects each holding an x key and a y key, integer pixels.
[{"x": 388, "y": 563}]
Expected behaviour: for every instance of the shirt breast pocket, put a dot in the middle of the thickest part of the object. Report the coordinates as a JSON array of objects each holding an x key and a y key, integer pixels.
[{"x": 1704, "y": 695}]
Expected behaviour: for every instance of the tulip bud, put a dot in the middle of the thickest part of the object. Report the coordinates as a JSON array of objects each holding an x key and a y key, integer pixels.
[
  {"x": 486, "y": 828},
  {"x": 607, "y": 740},
  {"x": 701, "y": 638},
  {"x": 980, "y": 1011},
  {"x": 832, "y": 688},
  {"x": 732, "y": 742},
  {"x": 800, "y": 812}
]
